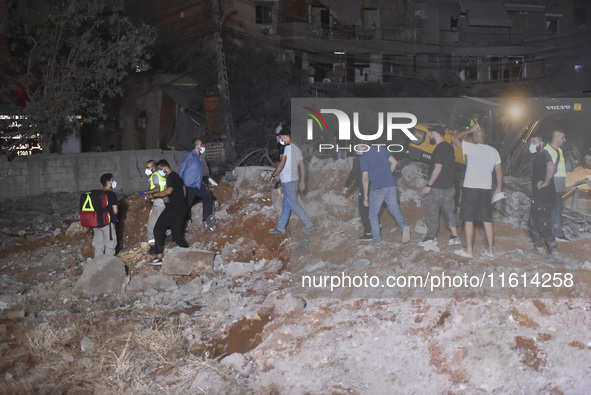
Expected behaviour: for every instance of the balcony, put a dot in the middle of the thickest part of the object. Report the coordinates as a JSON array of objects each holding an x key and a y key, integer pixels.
[{"x": 364, "y": 33}]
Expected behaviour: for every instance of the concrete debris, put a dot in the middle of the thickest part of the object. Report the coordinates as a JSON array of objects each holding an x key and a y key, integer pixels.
[
  {"x": 240, "y": 285},
  {"x": 102, "y": 275},
  {"x": 7, "y": 301},
  {"x": 74, "y": 228},
  {"x": 235, "y": 269},
  {"x": 189, "y": 291},
  {"x": 420, "y": 228},
  {"x": 239, "y": 363},
  {"x": 187, "y": 261},
  {"x": 209, "y": 381},
  {"x": 156, "y": 281},
  {"x": 282, "y": 302},
  {"x": 413, "y": 173},
  {"x": 249, "y": 179}
]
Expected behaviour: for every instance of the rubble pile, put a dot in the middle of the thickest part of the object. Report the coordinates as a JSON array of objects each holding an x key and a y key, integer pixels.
[{"x": 227, "y": 315}]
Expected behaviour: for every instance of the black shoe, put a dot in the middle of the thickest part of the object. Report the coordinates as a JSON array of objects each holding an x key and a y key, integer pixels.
[
  {"x": 366, "y": 237},
  {"x": 152, "y": 250},
  {"x": 155, "y": 262}
]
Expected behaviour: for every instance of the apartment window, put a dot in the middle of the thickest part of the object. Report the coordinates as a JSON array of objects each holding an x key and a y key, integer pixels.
[
  {"x": 264, "y": 14},
  {"x": 496, "y": 68},
  {"x": 552, "y": 25}
]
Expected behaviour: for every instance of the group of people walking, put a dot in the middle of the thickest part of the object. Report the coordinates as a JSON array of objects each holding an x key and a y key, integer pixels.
[
  {"x": 373, "y": 168},
  {"x": 172, "y": 194}
]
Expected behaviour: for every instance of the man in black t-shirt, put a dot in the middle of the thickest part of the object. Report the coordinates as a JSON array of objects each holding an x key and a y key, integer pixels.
[
  {"x": 440, "y": 189},
  {"x": 173, "y": 215},
  {"x": 542, "y": 203}
]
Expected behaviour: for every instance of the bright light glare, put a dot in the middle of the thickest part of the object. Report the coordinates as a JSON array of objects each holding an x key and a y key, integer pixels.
[{"x": 515, "y": 111}]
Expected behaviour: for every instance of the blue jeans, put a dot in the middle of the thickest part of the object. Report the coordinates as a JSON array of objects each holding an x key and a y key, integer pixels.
[
  {"x": 205, "y": 195},
  {"x": 557, "y": 216},
  {"x": 290, "y": 202},
  {"x": 376, "y": 198}
]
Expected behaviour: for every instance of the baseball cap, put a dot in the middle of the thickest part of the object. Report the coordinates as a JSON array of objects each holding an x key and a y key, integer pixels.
[
  {"x": 438, "y": 128},
  {"x": 284, "y": 132}
]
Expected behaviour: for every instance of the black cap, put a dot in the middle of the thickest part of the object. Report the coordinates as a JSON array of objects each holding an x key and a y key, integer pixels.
[
  {"x": 439, "y": 129},
  {"x": 284, "y": 132}
]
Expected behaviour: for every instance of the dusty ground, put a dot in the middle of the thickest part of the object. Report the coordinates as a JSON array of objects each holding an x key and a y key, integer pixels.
[{"x": 245, "y": 331}]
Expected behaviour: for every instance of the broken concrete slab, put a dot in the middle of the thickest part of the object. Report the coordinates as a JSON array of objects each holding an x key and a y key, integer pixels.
[
  {"x": 153, "y": 281},
  {"x": 74, "y": 228},
  {"x": 189, "y": 291},
  {"x": 102, "y": 275},
  {"x": 187, "y": 261},
  {"x": 238, "y": 268}
]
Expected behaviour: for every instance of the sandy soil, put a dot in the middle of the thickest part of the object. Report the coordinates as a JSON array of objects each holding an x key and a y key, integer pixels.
[{"x": 250, "y": 327}]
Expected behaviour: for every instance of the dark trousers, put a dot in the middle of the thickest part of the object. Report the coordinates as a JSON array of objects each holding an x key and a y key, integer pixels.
[
  {"x": 173, "y": 218},
  {"x": 557, "y": 216},
  {"x": 540, "y": 227},
  {"x": 205, "y": 195}
]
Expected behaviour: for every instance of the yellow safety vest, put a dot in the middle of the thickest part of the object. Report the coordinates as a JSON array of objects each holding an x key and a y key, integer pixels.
[
  {"x": 561, "y": 168},
  {"x": 161, "y": 182}
]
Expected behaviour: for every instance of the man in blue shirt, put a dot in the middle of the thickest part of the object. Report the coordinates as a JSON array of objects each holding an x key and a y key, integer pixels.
[
  {"x": 191, "y": 171},
  {"x": 377, "y": 166}
]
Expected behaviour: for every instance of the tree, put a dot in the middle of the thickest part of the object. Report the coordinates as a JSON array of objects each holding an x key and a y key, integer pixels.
[{"x": 70, "y": 57}]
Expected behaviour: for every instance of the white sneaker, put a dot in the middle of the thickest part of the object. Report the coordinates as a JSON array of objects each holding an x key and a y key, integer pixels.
[
  {"x": 427, "y": 241},
  {"x": 406, "y": 234},
  {"x": 454, "y": 241}
]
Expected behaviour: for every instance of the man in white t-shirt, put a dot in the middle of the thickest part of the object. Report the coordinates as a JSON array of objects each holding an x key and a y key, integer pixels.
[
  {"x": 481, "y": 160},
  {"x": 290, "y": 161}
]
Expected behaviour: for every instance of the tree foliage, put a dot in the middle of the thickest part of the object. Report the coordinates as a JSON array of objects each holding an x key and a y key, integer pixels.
[{"x": 70, "y": 57}]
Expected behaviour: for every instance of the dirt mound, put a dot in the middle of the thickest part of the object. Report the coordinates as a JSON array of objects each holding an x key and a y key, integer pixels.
[{"x": 246, "y": 325}]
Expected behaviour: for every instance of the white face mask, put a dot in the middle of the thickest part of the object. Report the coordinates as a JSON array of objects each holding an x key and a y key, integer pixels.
[
  {"x": 281, "y": 142},
  {"x": 148, "y": 172},
  {"x": 114, "y": 184},
  {"x": 162, "y": 173},
  {"x": 201, "y": 150},
  {"x": 533, "y": 148}
]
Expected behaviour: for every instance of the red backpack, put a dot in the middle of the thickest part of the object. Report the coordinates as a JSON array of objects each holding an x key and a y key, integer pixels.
[{"x": 93, "y": 209}]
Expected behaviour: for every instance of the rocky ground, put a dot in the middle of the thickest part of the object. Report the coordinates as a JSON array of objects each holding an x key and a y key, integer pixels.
[{"x": 230, "y": 314}]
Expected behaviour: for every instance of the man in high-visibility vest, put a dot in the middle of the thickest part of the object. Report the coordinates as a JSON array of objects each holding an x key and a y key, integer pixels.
[
  {"x": 157, "y": 184},
  {"x": 555, "y": 151}
]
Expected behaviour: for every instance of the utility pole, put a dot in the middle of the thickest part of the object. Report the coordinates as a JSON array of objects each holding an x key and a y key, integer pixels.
[{"x": 223, "y": 87}]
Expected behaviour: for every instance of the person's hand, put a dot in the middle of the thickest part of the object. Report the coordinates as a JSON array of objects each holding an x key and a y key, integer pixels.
[
  {"x": 345, "y": 190},
  {"x": 302, "y": 185},
  {"x": 366, "y": 202},
  {"x": 426, "y": 190},
  {"x": 271, "y": 180},
  {"x": 498, "y": 190}
]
